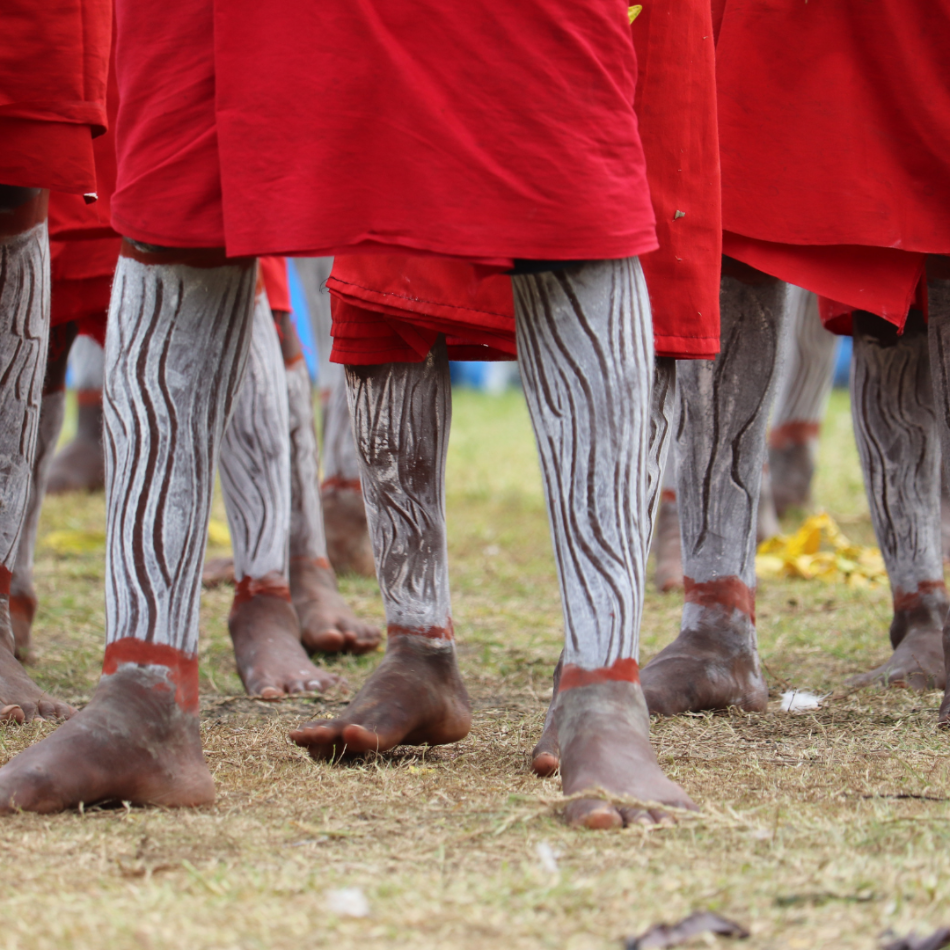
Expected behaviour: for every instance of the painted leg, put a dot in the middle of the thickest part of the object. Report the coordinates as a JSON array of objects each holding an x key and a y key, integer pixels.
[
  {"x": 24, "y": 331},
  {"x": 766, "y": 518},
  {"x": 714, "y": 663},
  {"x": 585, "y": 348},
  {"x": 800, "y": 402},
  {"x": 23, "y": 601},
  {"x": 344, "y": 512},
  {"x": 545, "y": 758},
  {"x": 327, "y": 624},
  {"x": 81, "y": 465},
  {"x": 255, "y": 483},
  {"x": 667, "y": 545},
  {"x": 938, "y": 291},
  {"x": 175, "y": 354},
  {"x": 402, "y": 414},
  {"x": 895, "y": 428}
]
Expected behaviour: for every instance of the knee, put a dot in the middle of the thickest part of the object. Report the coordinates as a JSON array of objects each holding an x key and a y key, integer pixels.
[
  {"x": 883, "y": 333},
  {"x": 202, "y": 257}
]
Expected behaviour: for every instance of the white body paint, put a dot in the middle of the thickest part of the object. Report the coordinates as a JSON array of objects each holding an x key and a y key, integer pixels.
[
  {"x": 255, "y": 457},
  {"x": 24, "y": 335},
  {"x": 175, "y": 354},
  {"x": 585, "y": 348}
]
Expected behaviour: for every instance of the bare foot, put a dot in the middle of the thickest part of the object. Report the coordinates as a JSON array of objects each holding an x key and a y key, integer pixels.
[
  {"x": 668, "y": 548},
  {"x": 327, "y": 625},
  {"x": 131, "y": 743},
  {"x": 81, "y": 465},
  {"x": 270, "y": 659},
  {"x": 217, "y": 571},
  {"x": 415, "y": 697},
  {"x": 344, "y": 518},
  {"x": 21, "y": 700},
  {"x": 917, "y": 637},
  {"x": 712, "y": 664},
  {"x": 604, "y": 732},
  {"x": 22, "y": 612},
  {"x": 546, "y": 755}
]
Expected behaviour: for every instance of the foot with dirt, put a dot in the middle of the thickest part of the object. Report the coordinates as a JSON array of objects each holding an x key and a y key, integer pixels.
[
  {"x": 132, "y": 743},
  {"x": 917, "y": 637},
  {"x": 327, "y": 625},
  {"x": 604, "y": 733},
  {"x": 712, "y": 664},
  {"x": 23, "y": 606},
  {"x": 415, "y": 697},
  {"x": 265, "y": 633},
  {"x": 546, "y": 755},
  {"x": 344, "y": 518}
]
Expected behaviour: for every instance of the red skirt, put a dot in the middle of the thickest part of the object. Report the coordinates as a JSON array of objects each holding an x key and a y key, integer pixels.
[
  {"x": 53, "y": 66},
  {"x": 486, "y": 131},
  {"x": 392, "y": 308},
  {"x": 834, "y": 122}
]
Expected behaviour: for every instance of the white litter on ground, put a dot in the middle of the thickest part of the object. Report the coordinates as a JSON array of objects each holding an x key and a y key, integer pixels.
[
  {"x": 347, "y": 902},
  {"x": 798, "y": 700},
  {"x": 546, "y": 856}
]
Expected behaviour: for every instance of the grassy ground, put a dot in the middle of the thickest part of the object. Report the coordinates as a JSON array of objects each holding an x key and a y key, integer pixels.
[{"x": 818, "y": 830}]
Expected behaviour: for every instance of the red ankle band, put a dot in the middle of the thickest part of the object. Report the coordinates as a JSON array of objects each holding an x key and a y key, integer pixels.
[
  {"x": 352, "y": 484},
  {"x": 182, "y": 667},
  {"x": 22, "y": 607},
  {"x": 433, "y": 633},
  {"x": 793, "y": 433},
  {"x": 5, "y": 577},
  {"x": 273, "y": 584},
  {"x": 316, "y": 561},
  {"x": 89, "y": 397},
  {"x": 908, "y": 600},
  {"x": 620, "y": 671},
  {"x": 729, "y": 593},
  {"x": 668, "y": 494}
]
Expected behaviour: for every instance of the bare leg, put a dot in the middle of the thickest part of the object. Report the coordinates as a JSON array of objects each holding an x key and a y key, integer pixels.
[
  {"x": 545, "y": 758},
  {"x": 800, "y": 402},
  {"x": 938, "y": 290},
  {"x": 175, "y": 354},
  {"x": 81, "y": 465},
  {"x": 326, "y": 622},
  {"x": 24, "y": 331},
  {"x": 23, "y": 601},
  {"x": 402, "y": 414},
  {"x": 896, "y": 431},
  {"x": 344, "y": 512},
  {"x": 714, "y": 663},
  {"x": 255, "y": 482},
  {"x": 667, "y": 544},
  {"x": 585, "y": 348}
]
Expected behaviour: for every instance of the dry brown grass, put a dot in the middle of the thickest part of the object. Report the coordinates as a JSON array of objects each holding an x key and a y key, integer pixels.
[{"x": 817, "y": 830}]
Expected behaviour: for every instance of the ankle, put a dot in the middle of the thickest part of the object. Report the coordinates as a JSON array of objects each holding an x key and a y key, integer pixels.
[{"x": 155, "y": 674}]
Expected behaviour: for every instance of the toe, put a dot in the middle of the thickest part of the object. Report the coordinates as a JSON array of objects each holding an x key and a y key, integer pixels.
[
  {"x": 545, "y": 764},
  {"x": 47, "y": 708},
  {"x": 594, "y": 814},
  {"x": 638, "y": 816},
  {"x": 270, "y": 694},
  {"x": 13, "y": 713},
  {"x": 360, "y": 739},
  {"x": 326, "y": 641}
]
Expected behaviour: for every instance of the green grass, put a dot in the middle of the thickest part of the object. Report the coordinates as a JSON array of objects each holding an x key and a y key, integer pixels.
[{"x": 807, "y": 835}]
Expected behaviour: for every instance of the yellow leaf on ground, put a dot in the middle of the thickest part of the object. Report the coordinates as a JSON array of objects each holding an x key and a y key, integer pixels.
[
  {"x": 819, "y": 550},
  {"x": 218, "y": 534},
  {"x": 66, "y": 541}
]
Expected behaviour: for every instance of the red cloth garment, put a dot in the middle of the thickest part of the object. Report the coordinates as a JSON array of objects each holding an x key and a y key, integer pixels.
[
  {"x": 53, "y": 66},
  {"x": 274, "y": 276},
  {"x": 392, "y": 308},
  {"x": 485, "y": 131},
  {"x": 834, "y": 123}
]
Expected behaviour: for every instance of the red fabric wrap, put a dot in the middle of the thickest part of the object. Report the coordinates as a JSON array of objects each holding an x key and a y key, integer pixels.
[
  {"x": 274, "y": 275},
  {"x": 53, "y": 66},
  {"x": 834, "y": 121},
  {"x": 388, "y": 309},
  {"x": 485, "y": 131}
]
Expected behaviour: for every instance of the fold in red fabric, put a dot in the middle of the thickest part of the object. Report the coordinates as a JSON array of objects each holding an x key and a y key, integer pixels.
[
  {"x": 485, "y": 131},
  {"x": 834, "y": 121},
  {"x": 392, "y": 308},
  {"x": 53, "y": 65}
]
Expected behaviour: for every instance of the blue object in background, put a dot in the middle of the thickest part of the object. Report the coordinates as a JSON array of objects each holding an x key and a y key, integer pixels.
[
  {"x": 843, "y": 363},
  {"x": 301, "y": 318}
]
